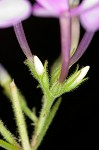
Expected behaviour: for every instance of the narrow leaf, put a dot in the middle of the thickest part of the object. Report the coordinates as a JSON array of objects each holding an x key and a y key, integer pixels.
[
  {"x": 8, "y": 136},
  {"x": 7, "y": 146}
]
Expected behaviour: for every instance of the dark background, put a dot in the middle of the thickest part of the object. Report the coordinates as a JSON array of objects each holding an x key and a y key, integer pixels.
[{"x": 77, "y": 121}]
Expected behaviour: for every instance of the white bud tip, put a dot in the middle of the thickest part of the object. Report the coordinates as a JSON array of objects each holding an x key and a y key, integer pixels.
[
  {"x": 83, "y": 73},
  {"x": 4, "y": 76},
  {"x": 38, "y": 65}
]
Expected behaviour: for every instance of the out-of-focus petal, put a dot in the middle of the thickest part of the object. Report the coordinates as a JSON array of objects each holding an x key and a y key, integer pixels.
[
  {"x": 82, "y": 47},
  {"x": 13, "y": 11},
  {"x": 89, "y": 14},
  {"x": 87, "y": 4},
  {"x": 56, "y": 5},
  {"x": 73, "y": 2},
  {"x": 75, "y": 34},
  {"x": 38, "y": 10},
  {"x": 90, "y": 19}
]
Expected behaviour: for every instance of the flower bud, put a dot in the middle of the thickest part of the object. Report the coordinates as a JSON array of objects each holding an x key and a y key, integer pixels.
[
  {"x": 82, "y": 74},
  {"x": 75, "y": 79},
  {"x": 4, "y": 76},
  {"x": 38, "y": 65}
]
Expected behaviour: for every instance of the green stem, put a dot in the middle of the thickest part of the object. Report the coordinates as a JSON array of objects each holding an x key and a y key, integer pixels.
[
  {"x": 19, "y": 117},
  {"x": 41, "y": 122},
  {"x": 23, "y": 103},
  {"x": 30, "y": 114},
  {"x": 47, "y": 123}
]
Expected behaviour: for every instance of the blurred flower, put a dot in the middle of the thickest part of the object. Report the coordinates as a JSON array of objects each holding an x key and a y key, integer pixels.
[
  {"x": 70, "y": 28},
  {"x": 50, "y": 7},
  {"x": 88, "y": 11},
  {"x": 4, "y": 76},
  {"x": 13, "y": 12},
  {"x": 60, "y": 9}
]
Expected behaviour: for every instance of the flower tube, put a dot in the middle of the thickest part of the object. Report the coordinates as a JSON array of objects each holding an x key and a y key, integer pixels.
[{"x": 58, "y": 9}]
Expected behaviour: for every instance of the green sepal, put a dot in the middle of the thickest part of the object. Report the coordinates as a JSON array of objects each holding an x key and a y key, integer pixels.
[
  {"x": 55, "y": 70},
  {"x": 69, "y": 84},
  {"x": 45, "y": 78},
  {"x": 31, "y": 66},
  {"x": 42, "y": 79}
]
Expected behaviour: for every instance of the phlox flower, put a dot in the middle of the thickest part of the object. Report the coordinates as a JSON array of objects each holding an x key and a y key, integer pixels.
[
  {"x": 13, "y": 12},
  {"x": 60, "y": 9},
  {"x": 88, "y": 11}
]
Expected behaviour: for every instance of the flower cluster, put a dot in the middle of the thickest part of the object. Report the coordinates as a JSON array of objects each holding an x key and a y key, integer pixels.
[{"x": 69, "y": 12}]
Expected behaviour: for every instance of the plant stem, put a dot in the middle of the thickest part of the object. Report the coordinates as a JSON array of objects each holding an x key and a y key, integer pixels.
[
  {"x": 36, "y": 140},
  {"x": 19, "y": 117}
]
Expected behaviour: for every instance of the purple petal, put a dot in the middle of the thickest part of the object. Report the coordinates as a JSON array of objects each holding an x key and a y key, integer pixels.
[
  {"x": 90, "y": 19},
  {"x": 75, "y": 34},
  {"x": 87, "y": 4},
  {"x": 89, "y": 14},
  {"x": 13, "y": 12},
  {"x": 38, "y": 10},
  {"x": 86, "y": 40},
  {"x": 84, "y": 6},
  {"x": 56, "y": 5}
]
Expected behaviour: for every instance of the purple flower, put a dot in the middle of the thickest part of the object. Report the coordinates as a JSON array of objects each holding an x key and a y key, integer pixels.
[
  {"x": 59, "y": 9},
  {"x": 50, "y": 7},
  {"x": 88, "y": 11},
  {"x": 13, "y": 12}
]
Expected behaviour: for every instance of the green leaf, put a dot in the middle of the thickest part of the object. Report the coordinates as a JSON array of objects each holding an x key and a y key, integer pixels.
[
  {"x": 7, "y": 146},
  {"x": 8, "y": 136}
]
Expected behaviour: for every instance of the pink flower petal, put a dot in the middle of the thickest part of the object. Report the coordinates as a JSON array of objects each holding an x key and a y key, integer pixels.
[
  {"x": 13, "y": 11},
  {"x": 90, "y": 19},
  {"x": 87, "y": 4},
  {"x": 89, "y": 14},
  {"x": 42, "y": 12},
  {"x": 56, "y": 5}
]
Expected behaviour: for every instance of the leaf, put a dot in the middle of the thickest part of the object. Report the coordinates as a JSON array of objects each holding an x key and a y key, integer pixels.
[
  {"x": 7, "y": 146},
  {"x": 8, "y": 136}
]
